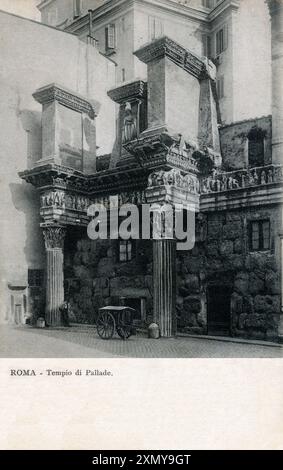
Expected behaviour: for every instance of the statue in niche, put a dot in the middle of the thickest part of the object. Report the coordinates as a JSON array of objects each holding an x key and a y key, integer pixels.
[{"x": 129, "y": 131}]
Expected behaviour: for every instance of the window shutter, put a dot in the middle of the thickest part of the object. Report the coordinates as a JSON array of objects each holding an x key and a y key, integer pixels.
[
  {"x": 151, "y": 28},
  {"x": 220, "y": 87},
  {"x": 110, "y": 37},
  {"x": 204, "y": 45},
  {"x": 225, "y": 37},
  {"x": 77, "y": 8},
  {"x": 158, "y": 28}
]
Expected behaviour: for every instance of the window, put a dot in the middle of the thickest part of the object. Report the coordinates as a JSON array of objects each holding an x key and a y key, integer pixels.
[
  {"x": 155, "y": 28},
  {"x": 35, "y": 277},
  {"x": 256, "y": 147},
  {"x": 220, "y": 87},
  {"x": 77, "y": 8},
  {"x": 125, "y": 250},
  {"x": 110, "y": 37},
  {"x": 123, "y": 75},
  {"x": 259, "y": 235},
  {"x": 221, "y": 40}
]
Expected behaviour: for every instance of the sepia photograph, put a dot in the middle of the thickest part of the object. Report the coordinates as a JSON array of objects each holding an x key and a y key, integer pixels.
[
  {"x": 141, "y": 185},
  {"x": 142, "y": 178}
]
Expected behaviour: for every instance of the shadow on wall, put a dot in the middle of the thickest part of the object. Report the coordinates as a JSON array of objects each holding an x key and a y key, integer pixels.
[
  {"x": 31, "y": 123},
  {"x": 26, "y": 199}
]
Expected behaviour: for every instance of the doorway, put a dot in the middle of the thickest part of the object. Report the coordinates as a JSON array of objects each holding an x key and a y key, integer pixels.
[
  {"x": 218, "y": 312},
  {"x": 139, "y": 304}
]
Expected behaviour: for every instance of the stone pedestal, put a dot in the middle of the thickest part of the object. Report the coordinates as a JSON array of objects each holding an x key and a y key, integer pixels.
[
  {"x": 175, "y": 75},
  {"x": 276, "y": 12},
  {"x": 54, "y": 243},
  {"x": 68, "y": 128},
  {"x": 164, "y": 286}
]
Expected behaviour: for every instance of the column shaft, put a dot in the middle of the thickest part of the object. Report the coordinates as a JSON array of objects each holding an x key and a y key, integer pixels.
[
  {"x": 54, "y": 243},
  {"x": 276, "y": 12},
  {"x": 55, "y": 286},
  {"x": 164, "y": 286}
]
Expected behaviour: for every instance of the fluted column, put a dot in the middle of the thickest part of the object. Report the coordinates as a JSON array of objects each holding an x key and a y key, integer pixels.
[
  {"x": 276, "y": 13},
  {"x": 164, "y": 286},
  {"x": 54, "y": 243}
]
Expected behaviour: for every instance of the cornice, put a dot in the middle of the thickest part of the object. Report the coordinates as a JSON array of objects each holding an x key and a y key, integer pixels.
[
  {"x": 196, "y": 14},
  {"x": 221, "y": 7},
  {"x": 54, "y": 92},
  {"x": 128, "y": 91},
  {"x": 116, "y": 6},
  {"x": 112, "y": 7},
  {"x": 166, "y": 47},
  {"x": 44, "y": 4},
  {"x": 244, "y": 197}
]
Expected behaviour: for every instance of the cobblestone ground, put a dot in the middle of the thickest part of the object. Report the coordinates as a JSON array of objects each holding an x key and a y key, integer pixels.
[{"x": 83, "y": 341}]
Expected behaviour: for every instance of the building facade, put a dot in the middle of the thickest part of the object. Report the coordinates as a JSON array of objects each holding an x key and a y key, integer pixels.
[{"x": 195, "y": 89}]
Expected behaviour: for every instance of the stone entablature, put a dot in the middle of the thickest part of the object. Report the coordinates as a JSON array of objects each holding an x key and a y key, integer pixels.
[
  {"x": 155, "y": 149},
  {"x": 67, "y": 98},
  {"x": 226, "y": 181},
  {"x": 46, "y": 177},
  {"x": 129, "y": 91},
  {"x": 166, "y": 47},
  {"x": 174, "y": 178}
]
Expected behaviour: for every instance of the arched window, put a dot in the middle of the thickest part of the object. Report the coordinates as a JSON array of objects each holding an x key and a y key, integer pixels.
[{"x": 256, "y": 147}]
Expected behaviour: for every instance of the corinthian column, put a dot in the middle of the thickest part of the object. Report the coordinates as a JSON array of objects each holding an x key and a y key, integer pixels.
[
  {"x": 164, "y": 286},
  {"x": 276, "y": 13},
  {"x": 54, "y": 242}
]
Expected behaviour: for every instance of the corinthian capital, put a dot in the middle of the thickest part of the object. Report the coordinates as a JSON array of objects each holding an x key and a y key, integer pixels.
[{"x": 54, "y": 236}]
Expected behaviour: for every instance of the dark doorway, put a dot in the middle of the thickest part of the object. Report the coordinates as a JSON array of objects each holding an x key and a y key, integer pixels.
[
  {"x": 139, "y": 305},
  {"x": 218, "y": 314}
]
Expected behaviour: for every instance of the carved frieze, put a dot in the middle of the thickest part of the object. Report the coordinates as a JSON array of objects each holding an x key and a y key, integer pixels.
[
  {"x": 188, "y": 182},
  {"x": 224, "y": 181},
  {"x": 62, "y": 200}
]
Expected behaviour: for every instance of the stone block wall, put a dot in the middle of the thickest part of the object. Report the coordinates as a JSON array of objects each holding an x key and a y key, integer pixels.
[
  {"x": 94, "y": 277},
  {"x": 234, "y": 142},
  {"x": 224, "y": 259}
]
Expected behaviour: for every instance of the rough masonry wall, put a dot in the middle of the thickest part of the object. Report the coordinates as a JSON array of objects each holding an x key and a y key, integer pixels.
[
  {"x": 224, "y": 259},
  {"x": 94, "y": 277},
  {"x": 234, "y": 142}
]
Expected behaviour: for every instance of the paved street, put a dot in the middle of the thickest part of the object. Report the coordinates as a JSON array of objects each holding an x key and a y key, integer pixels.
[{"x": 83, "y": 341}]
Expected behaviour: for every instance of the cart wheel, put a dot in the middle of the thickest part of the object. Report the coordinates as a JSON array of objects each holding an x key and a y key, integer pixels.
[
  {"x": 124, "y": 331},
  {"x": 105, "y": 325}
]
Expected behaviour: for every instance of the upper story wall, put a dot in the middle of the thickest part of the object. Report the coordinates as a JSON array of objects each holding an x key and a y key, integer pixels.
[
  {"x": 252, "y": 61},
  {"x": 56, "y": 12},
  {"x": 152, "y": 22},
  {"x": 235, "y": 33},
  {"x": 239, "y": 41},
  {"x": 246, "y": 143},
  {"x": 49, "y": 55},
  {"x": 34, "y": 56}
]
